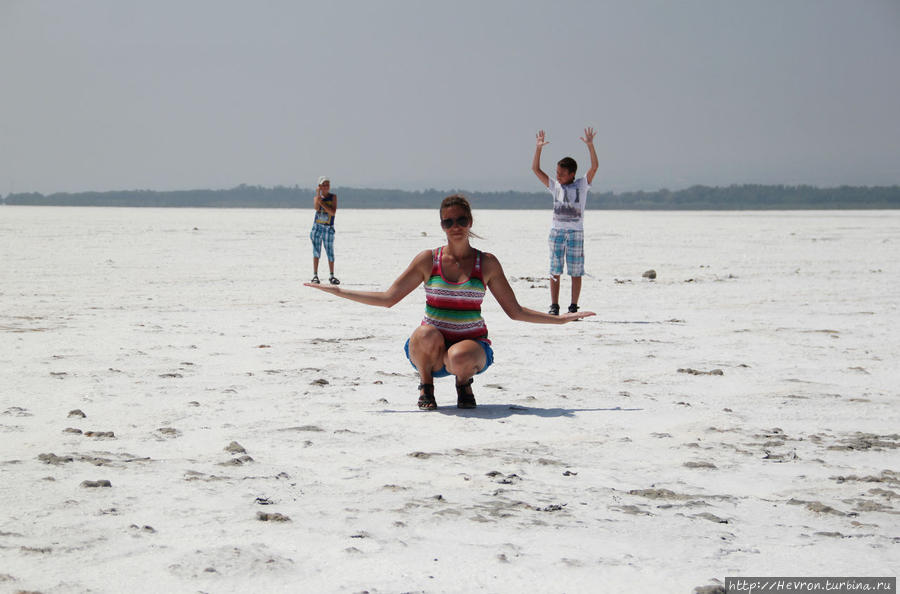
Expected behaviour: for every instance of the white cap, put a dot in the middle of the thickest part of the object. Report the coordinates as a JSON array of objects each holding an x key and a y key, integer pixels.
[{"x": 323, "y": 179}]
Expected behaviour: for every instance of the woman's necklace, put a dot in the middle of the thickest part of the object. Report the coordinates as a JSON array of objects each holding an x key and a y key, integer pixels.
[{"x": 456, "y": 262}]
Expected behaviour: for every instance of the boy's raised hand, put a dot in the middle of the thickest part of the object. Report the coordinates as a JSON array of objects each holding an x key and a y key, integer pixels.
[
  {"x": 540, "y": 139},
  {"x": 588, "y": 137}
]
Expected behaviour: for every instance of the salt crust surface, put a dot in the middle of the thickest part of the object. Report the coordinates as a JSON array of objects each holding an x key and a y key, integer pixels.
[{"x": 591, "y": 458}]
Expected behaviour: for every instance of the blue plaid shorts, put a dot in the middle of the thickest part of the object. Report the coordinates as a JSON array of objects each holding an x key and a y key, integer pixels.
[
  {"x": 322, "y": 234},
  {"x": 568, "y": 244}
]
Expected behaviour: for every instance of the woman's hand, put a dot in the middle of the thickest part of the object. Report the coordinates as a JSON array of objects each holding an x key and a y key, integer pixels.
[
  {"x": 326, "y": 288},
  {"x": 541, "y": 142},
  {"x": 571, "y": 317}
]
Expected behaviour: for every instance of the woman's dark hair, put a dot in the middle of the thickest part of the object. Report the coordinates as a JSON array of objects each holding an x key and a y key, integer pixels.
[
  {"x": 457, "y": 200},
  {"x": 569, "y": 164},
  {"x": 462, "y": 202}
]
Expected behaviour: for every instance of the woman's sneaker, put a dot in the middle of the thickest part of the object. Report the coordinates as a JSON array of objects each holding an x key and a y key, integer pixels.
[
  {"x": 315, "y": 279},
  {"x": 333, "y": 280},
  {"x": 573, "y": 308},
  {"x": 554, "y": 309}
]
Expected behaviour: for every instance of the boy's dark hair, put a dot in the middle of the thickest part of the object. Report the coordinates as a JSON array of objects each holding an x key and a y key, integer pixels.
[{"x": 569, "y": 164}]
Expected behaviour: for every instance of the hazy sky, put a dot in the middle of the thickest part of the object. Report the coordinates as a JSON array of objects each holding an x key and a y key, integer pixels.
[{"x": 107, "y": 95}]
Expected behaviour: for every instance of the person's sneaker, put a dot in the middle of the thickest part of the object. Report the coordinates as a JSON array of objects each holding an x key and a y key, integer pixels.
[
  {"x": 554, "y": 309},
  {"x": 333, "y": 280},
  {"x": 315, "y": 279},
  {"x": 573, "y": 308}
]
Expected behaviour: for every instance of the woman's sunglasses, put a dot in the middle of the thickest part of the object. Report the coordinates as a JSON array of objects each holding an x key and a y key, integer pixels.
[{"x": 462, "y": 221}]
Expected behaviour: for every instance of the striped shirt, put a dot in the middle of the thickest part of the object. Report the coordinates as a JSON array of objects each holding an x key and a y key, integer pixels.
[{"x": 455, "y": 308}]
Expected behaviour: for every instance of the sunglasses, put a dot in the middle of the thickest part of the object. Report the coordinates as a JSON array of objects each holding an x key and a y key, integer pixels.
[{"x": 462, "y": 221}]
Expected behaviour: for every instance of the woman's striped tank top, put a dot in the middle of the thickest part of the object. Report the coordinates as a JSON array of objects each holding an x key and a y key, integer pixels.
[{"x": 455, "y": 308}]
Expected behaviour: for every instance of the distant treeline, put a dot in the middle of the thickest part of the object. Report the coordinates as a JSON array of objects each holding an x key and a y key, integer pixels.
[{"x": 735, "y": 197}]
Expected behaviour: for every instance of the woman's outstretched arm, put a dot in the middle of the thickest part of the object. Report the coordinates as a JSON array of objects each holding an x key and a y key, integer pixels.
[
  {"x": 415, "y": 274},
  {"x": 496, "y": 281}
]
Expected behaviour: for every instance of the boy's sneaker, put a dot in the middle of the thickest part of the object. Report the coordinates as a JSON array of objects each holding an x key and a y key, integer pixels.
[
  {"x": 554, "y": 309},
  {"x": 333, "y": 280},
  {"x": 315, "y": 279},
  {"x": 573, "y": 308}
]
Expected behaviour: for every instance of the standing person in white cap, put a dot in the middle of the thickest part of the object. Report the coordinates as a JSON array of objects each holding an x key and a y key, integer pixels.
[{"x": 323, "y": 228}]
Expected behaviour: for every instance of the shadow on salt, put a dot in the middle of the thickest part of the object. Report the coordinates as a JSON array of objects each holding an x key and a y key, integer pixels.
[{"x": 500, "y": 411}]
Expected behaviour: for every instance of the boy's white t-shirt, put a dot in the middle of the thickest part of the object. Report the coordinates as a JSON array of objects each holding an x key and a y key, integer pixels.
[{"x": 568, "y": 203}]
